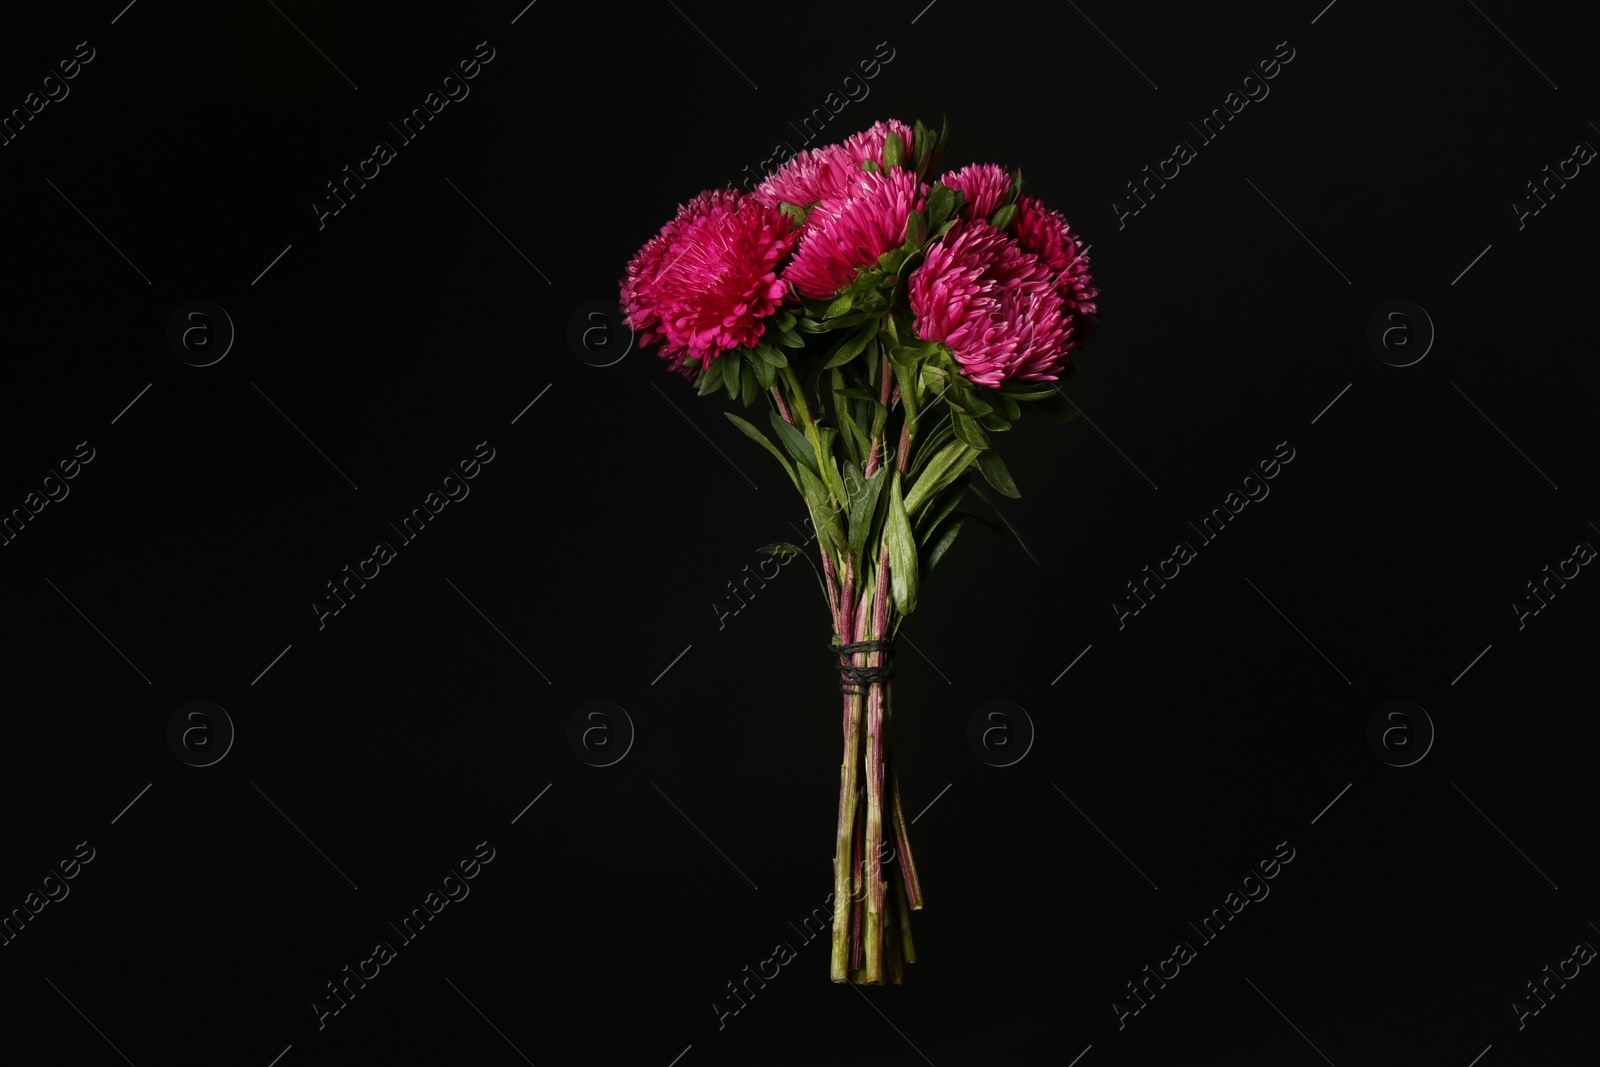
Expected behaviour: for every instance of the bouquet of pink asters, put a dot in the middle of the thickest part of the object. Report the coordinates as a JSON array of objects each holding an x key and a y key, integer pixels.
[{"x": 851, "y": 294}]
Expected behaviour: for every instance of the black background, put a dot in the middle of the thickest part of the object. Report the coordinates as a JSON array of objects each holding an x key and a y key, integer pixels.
[{"x": 1221, "y": 720}]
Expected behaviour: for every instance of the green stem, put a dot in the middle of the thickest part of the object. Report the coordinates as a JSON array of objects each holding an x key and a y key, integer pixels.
[
  {"x": 845, "y": 905},
  {"x": 907, "y": 949},
  {"x": 825, "y": 465},
  {"x": 801, "y": 406},
  {"x": 843, "y": 889}
]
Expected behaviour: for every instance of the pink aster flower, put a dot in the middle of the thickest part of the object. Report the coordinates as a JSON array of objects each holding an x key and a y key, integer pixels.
[
  {"x": 825, "y": 172},
  {"x": 983, "y": 185},
  {"x": 705, "y": 282},
  {"x": 1046, "y": 234},
  {"x": 848, "y": 232},
  {"x": 992, "y": 304},
  {"x": 868, "y": 144},
  {"x": 814, "y": 174}
]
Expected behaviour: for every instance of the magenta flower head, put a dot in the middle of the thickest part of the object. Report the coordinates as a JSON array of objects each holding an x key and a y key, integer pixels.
[
  {"x": 1045, "y": 233},
  {"x": 992, "y": 304},
  {"x": 814, "y": 174},
  {"x": 825, "y": 172},
  {"x": 848, "y": 232},
  {"x": 982, "y": 185},
  {"x": 704, "y": 283},
  {"x": 868, "y": 144}
]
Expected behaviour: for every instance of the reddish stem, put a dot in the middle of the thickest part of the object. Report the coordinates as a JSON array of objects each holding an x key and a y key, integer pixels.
[
  {"x": 908, "y": 866},
  {"x": 783, "y": 405},
  {"x": 830, "y": 586}
]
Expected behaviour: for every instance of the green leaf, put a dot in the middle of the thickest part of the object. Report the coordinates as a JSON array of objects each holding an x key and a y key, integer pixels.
[
  {"x": 969, "y": 401},
  {"x": 967, "y": 430},
  {"x": 844, "y": 322},
  {"x": 794, "y": 211},
  {"x": 765, "y": 373},
  {"x": 863, "y": 507},
  {"x": 948, "y": 498},
  {"x": 902, "y": 551},
  {"x": 823, "y": 515},
  {"x": 1008, "y": 407},
  {"x": 945, "y": 467},
  {"x": 1003, "y": 217},
  {"x": 947, "y": 537},
  {"x": 790, "y": 340},
  {"x": 870, "y": 354},
  {"x": 930, "y": 444},
  {"x": 829, "y": 467},
  {"x": 750, "y": 386},
  {"x": 903, "y": 356},
  {"x": 710, "y": 378},
  {"x": 913, "y": 352},
  {"x": 941, "y": 205},
  {"x": 867, "y": 164},
  {"x": 906, "y": 378},
  {"x": 916, "y": 231},
  {"x": 891, "y": 330},
  {"x": 855, "y": 392},
  {"x": 768, "y": 354},
  {"x": 870, "y": 300},
  {"x": 784, "y": 321},
  {"x": 994, "y": 422},
  {"x": 840, "y": 305},
  {"x": 894, "y": 150},
  {"x": 847, "y": 426},
  {"x": 921, "y": 146},
  {"x": 995, "y": 473},
  {"x": 794, "y": 442},
  {"x": 761, "y": 439},
  {"x": 853, "y": 345},
  {"x": 855, "y": 442}
]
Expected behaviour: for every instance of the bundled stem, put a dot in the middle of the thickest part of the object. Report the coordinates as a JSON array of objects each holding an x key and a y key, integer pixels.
[
  {"x": 871, "y": 928},
  {"x": 856, "y": 885},
  {"x": 874, "y": 844},
  {"x": 843, "y": 888},
  {"x": 869, "y": 932}
]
